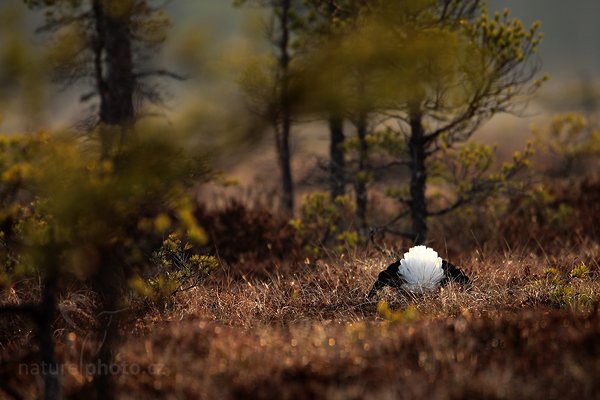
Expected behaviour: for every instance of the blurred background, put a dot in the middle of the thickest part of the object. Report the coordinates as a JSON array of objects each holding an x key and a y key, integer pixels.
[
  {"x": 570, "y": 52},
  {"x": 209, "y": 37}
]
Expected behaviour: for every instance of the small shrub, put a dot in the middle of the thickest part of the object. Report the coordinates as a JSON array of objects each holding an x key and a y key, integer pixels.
[
  {"x": 571, "y": 144},
  {"x": 241, "y": 234},
  {"x": 177, "y": 268},
  {"x": 409, "y": 314},
  {"x": 325, "y": 222},
  {"x": 581, "y": 271},
  {"x": 572, "y": 291}
]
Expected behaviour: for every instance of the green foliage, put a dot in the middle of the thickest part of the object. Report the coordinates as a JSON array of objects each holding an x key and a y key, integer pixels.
[
  {"x": 324, "y": 222},
  {"x": 93, "y": 217},
  {"x": 408, "y": 315},
  {"x": 178, "y": 268},
  {"x": 100, "y": 205},
  {"x": 149, "y": 23},
  {"x": 506, "y": 39},
  {"x": 539, "y": 205},
  {"x": 470, "y": 173},
  {"x": 269, "y": 76},
  {"x": 571, "y": 142},
  {"x": 423, "y": 75},
  {"x": 382, "y": 142},
  {"x": 572, "y": 291},
  {"x": 561, "y": 215},
  {"x": 581, "y": 272},
  {"x": 458, "y": 69},
  {"x": 347, "y": 239},
  {"x": 18, "y": 203}
]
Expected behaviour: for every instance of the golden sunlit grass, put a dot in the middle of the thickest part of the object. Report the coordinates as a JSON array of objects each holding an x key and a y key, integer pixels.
[{"x": 335, "y": 290}]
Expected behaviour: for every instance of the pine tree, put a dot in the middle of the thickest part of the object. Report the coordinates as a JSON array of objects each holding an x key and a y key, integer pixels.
[
  {"x": 275, "y": 103},
  {"x": 420, "y": 78},
  {"x": 108, "y": 44}
]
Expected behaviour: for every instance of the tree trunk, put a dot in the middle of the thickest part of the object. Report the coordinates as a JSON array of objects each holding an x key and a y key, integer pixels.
[
  {"x": 283, "y": 153},
  {"x": 109, "y": 281},
  {"x": 283, "y": 142},
  {"x": 103, "y": 381},
  {"x": 101, "y": 86},
  {"x": 119, "y": 65},
  {"x": 418, "y": 177},
  {"x": 113, "y": 72},
  {"x": 44, "y": 319},
  {"x": 360, "y": 185},
  {"x": 337, "y": 165}
]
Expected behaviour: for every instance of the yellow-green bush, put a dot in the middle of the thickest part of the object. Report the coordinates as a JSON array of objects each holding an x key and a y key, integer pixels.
[
  {"x": 177, "y": 268},
  {"x": 573, "y": 291},
  {"x": 409, "y": 314},
  {"x": 96, "y": 218},
  {"x": 18, "y": 202},
  {"x": 570, "y": 143},
  {"x": 325, "y": 222}
]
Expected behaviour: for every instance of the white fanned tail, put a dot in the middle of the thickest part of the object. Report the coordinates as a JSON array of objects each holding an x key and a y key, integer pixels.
[{"x": 421, "y": 268}]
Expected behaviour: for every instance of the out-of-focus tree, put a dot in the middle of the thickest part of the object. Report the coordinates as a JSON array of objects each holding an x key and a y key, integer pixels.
[
  {"x": 270, "y": 83},
  {"x": 94, "y": 220},
  {"x": 22, "y": 72},
  {"x": 326, "y": 20},
  {"x": 108, "y": 44},
  {"x": 336, "y": 81},
  {"x": 17, "y": 153}
]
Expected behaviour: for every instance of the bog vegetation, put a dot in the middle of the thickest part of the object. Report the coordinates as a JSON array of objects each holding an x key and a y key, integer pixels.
[{"x": 122, "y": 276}]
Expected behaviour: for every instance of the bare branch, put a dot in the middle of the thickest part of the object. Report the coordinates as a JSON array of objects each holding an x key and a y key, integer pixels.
[
  {"x": 87, "y": 96},
  {"x": 57, "y": 24},
  {"x": 461, "y": 201},
  {"x": 387, "y": 227},
  {"x": 160, "y": 72}
]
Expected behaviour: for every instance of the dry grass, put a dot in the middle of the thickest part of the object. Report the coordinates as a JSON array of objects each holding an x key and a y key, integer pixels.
[
  {"x": 335, "y": 290},
  {"x": 312, "y": 334},
  {"x": 265, "y": 328}
]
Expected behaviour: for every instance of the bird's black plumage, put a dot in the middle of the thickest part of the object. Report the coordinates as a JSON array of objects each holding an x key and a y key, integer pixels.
[
  {"x": 453, "y": 274},
  {"x": 391, "y": 277},
  {"x": 388, "y": 277}
]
